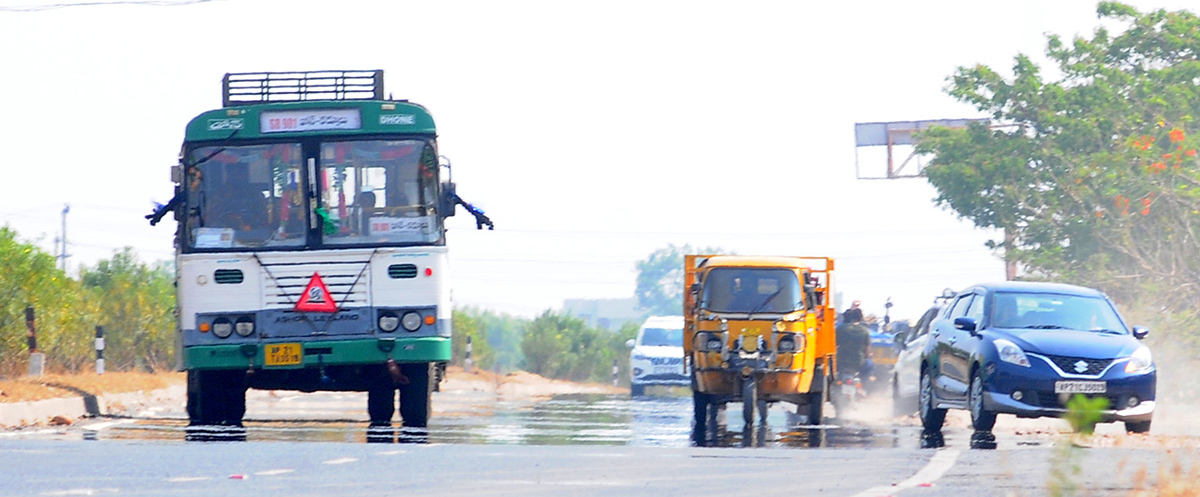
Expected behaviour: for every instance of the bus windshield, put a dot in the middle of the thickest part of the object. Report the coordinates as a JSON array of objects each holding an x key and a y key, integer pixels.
[
  {"x": 370, "y": 192},
  {"x": 749, "y": 290},
  {"x": 247, "y": 196},
  {"x": 379, "y": 192}
]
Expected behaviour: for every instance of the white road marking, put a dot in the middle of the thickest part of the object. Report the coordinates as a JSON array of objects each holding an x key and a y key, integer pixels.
[
  {"x": 185, "y": 479},
  {"x": 937, "y": 466},
  {"x": 19, "y": 433},
  {"x": 391, "y": 452},
  {"x": 566, "y": 483},
  {"x": 82, "y": 491},
  {"x": 343, "y": 460},
  {"x": 273, "y": 472}
]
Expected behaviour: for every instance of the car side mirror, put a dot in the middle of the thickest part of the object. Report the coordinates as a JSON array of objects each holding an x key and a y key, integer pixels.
[
  {"x": 965, "y": 324},
  {"x": 629, "y": 343},
  {"x": 1140, "y": 332},
  {"x": 899, "y": 340}
]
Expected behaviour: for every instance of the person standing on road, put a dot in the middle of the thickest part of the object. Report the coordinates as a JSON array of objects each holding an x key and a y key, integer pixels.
[{"x": 854, "y": 314}]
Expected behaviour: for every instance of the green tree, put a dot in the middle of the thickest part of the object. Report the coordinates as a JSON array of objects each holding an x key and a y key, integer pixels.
[
  {"x": 468, "y": 324},
  {"x": 135, "y": 303},
  {"x": 660, "y": 279},
  {"x": 30, "y": 278},
  {"x": 1093, "y": 174},
  {"x": 564, "y": 347}
]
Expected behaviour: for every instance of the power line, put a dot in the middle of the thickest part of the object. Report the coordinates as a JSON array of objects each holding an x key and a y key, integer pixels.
[{"x": 148, "y": 3}]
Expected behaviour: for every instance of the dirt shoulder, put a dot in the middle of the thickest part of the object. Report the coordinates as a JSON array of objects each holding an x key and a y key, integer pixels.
[
  {"x": 514, "y": 385},
  {"x": 58, "y": 386}
]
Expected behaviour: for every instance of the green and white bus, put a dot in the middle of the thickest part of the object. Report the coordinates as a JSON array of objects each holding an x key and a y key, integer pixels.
[{"x": 311, "y": 249}]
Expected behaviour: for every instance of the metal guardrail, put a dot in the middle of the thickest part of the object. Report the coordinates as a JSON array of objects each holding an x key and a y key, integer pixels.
[{"x": 254, "y": 87}]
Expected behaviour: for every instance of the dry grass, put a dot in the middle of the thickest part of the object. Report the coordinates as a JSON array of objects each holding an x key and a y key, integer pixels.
[{"x": 70, "y": 385}]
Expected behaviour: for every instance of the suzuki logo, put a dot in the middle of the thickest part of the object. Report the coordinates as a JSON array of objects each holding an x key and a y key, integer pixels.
[{"x": 1081, "y": 366}]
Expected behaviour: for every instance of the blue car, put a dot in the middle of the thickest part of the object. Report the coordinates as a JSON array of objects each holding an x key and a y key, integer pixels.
[{"x": 1025, "y": 348}]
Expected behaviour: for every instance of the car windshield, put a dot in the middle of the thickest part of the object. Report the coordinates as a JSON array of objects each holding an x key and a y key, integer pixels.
[
  {"x": 1054, "y": 311},
  {"x": 751, "y": 290},
  {"x": 245, "y": 196},
  {"x": 662, "y": 337}
]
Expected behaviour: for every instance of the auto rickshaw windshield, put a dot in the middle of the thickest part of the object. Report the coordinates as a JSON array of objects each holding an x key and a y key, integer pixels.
[{"x": 751, "y": 290}]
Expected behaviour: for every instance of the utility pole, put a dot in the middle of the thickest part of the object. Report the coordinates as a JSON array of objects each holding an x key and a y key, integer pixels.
[{"x": 63, "y": 254}]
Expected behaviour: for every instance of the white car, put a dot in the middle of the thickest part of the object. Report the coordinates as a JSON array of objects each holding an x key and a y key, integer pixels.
[{"x": 657, "y": 355}]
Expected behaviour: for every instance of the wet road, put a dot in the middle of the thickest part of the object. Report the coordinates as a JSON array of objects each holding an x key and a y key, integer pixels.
[
  {"x": 574, "y": 419},
  {"x": 314, "y": 444}
]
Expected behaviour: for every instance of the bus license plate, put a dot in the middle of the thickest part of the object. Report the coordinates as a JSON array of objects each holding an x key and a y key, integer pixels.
[
  {"x": 283, "y": 354},
  {"x": 1080, "y": 387}
]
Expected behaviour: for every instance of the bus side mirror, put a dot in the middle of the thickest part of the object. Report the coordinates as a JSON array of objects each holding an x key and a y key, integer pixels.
[
  {"x": 695, "y": 288},
  {"x": 177, "y": 174},
  {"x": 449, "y": 200}
]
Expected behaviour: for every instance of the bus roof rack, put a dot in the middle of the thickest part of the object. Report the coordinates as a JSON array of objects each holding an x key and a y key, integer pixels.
[{"x": 250, "y": 87}]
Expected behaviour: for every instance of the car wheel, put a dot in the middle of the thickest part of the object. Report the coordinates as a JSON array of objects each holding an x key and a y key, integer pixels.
[
  {"x": 932, "y": 418},
  {"x": 1138, "y": 427},
  {"x": 981, "y": 418},
  {"x": 636, "y": 390},
  {"x": 898, "y": 407}
]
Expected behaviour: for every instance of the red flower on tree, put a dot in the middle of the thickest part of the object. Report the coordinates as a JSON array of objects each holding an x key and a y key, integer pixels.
[{"x": 1177, "y": 135}]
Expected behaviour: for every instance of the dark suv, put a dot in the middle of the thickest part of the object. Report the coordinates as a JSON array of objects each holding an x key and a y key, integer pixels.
[{"x": 1025, "y": 348}]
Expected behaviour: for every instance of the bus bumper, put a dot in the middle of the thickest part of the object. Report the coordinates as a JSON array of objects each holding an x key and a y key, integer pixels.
[{"x": 322, "y": 353}]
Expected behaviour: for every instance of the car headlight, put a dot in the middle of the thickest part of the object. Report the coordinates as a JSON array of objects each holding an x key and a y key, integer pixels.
[
  {"x": 1139, "y": 361},
  {"x": 1009, "y": 352},
  {"x": 411, "y": 321}
]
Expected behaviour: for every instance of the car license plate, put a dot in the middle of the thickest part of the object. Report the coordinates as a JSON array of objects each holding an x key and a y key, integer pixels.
[
  {"x": 1080, "y": 387},
  {"x": 283, "y": 354},
  {"x": 666, "y": 370}
]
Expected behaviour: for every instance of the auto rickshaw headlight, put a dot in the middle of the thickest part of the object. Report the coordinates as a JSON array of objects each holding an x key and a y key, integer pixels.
[
  {"x": 787, "y": 344},
  {"x": 708, "y": 342}
]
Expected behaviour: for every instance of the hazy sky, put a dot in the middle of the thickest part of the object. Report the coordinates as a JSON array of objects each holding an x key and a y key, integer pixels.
[{"x": 592, "y": 133}]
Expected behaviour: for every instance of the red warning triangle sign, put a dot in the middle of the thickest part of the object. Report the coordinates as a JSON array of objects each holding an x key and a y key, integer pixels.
[{"x": 316, "y": 297}]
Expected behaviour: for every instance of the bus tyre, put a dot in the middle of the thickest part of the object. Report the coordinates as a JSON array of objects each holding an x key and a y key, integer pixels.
[
  {"x": 381, "y": 404},
  {"x": 416, "y": 396},
  {"x": 216, "y": 397}
]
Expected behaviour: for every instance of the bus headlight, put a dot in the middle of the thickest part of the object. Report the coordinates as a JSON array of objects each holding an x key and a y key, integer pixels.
[
  {"x": 244, "y": 326},
  {"x": 222, "y": 327},
  {"x": 411, "y": 321},
  {"x": 388, "y": 322}
]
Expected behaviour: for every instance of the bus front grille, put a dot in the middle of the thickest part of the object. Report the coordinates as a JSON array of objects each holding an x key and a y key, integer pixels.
[{"x": 347, "y": 282}]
